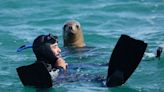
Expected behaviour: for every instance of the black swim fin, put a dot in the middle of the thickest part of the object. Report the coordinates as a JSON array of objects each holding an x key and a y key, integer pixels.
[
  {"x": 125, "y": 58},
  {"x": 35, "y": 75}
]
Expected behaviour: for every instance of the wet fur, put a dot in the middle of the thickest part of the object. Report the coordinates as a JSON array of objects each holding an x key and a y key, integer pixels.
[{"x": 75, "y": 37}]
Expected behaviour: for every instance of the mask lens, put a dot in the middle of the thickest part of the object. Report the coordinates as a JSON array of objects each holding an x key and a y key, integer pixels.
[{"x": 51, "y": 39}]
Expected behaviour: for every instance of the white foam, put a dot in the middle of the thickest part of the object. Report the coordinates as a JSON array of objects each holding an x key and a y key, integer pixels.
[{"x": 149, "y": 55}]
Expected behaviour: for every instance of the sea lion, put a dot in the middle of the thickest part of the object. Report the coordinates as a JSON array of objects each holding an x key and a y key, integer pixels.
[{"x": 73, "y": 35}]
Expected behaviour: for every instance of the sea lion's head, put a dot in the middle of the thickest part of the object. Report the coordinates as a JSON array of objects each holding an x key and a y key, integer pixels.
[{"x": 72, "y": 34}]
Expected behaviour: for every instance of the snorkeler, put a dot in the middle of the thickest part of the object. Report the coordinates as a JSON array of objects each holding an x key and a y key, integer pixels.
[
  {"x": 48, "y": 66},
  {"x": 47, "y": 51}
]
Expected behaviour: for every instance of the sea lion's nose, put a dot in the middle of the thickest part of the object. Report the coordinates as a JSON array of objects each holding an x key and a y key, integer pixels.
[{"x": 70, "y": 28}]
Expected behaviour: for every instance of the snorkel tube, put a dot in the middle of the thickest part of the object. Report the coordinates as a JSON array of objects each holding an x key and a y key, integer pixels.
[{"x": 23, "y": 47}]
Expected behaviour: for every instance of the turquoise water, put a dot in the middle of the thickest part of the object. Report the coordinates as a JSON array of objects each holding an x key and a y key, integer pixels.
[{"x": 102, "y": 21}]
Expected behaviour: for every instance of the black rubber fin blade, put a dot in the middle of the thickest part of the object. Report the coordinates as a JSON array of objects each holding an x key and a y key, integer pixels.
[
  {"x": 35, "y": 75},
  {"x": 125, "y": 58}
]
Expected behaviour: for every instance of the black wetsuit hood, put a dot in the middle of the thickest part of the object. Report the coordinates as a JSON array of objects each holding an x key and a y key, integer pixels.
[{"x": 42, "y": 50}]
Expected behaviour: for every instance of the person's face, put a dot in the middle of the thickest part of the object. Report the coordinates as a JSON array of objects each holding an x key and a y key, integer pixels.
[{"x": 55, "y": 49}]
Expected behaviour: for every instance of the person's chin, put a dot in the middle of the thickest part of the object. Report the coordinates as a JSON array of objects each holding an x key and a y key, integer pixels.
[{"x": 58, "y": 56}]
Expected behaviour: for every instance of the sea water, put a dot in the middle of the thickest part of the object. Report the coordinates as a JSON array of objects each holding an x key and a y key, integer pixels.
[{"x": 102, "y": 21}]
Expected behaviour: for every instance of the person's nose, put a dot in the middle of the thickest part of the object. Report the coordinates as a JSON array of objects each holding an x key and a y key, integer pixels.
[{"x": 59, "y": 50}]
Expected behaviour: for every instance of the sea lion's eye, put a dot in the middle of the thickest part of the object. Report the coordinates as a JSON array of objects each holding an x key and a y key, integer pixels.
[{"x": 77, "y": 26}]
